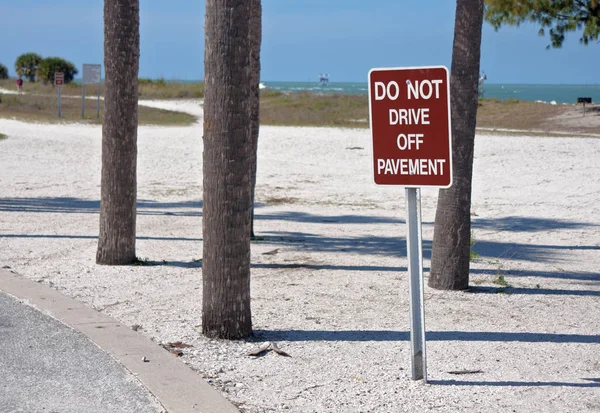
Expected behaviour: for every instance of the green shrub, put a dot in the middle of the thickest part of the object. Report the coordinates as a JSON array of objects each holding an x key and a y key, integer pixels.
[
  {"x": 501, "y": 281},
  {"x": 164, "y": 89},
  {"x": 148, "y": 81},
  {"x": 27, "y": 65},
  {"x": 144, "y": 81},
  {"x": 270, "y": 93},
  {"x": 472, "y": 254},
  {"x": 3, "y": 72},
  {"x": 51, "y": 65}
]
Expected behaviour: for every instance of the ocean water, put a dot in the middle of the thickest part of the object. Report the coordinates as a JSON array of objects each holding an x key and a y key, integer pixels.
[
  {"x": 332, "y": 87},
  {"x": 545, "y": 93}
]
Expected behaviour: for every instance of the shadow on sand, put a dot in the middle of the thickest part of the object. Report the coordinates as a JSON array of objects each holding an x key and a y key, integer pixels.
[
  {"x": 359, "y": 244},
  {"x": 386, "y": 335},
  {"x": 592, "y": 383},
  {"x": 86, "y": 206}
]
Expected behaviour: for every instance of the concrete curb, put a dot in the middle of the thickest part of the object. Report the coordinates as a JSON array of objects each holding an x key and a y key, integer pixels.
[{"x": 177, "y": 387}]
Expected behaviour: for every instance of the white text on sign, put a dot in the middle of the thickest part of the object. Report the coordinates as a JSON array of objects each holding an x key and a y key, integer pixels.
[{"x": 414, "y": 90}]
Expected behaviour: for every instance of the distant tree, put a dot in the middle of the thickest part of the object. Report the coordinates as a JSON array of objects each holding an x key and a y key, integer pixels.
[
  {"x": 450, "y": 253},
  {"x": 3, "y": 72},
  {"x": 116, "y": 240},
  {"x": 50, "y": 65},
  {"x": 255, "y": 39},
  {"x": 227, "y": 207},
  {"x": 560, "y": 16},
  {"x": 27, "y": 64}
]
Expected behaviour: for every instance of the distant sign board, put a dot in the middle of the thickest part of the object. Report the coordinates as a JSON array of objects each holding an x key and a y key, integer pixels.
[
  {"x": 410, "y": 125},
  {"x": 59, "y": 78},
  {"x": 91, "y": 74}
]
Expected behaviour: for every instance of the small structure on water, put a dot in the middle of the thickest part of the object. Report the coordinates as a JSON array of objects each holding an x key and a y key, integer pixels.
[{"x": 323, "y": 79}]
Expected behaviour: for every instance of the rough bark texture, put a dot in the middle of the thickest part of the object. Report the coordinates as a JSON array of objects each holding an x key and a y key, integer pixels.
[
  {"x": 226, "y": 163},
  {"x": 116, "y": 241},
  {"x": 255, "y": 42},
  {"x": 452, "y": 229}
]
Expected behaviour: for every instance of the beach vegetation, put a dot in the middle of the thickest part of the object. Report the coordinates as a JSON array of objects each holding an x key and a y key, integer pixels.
[
  {"x": 278, "y": 200},
  {"x": 50, "y": 65},
  {"x": 35, "y": 108},
  {"x": 160, "y": 82},
  {"x": 270, "y": 93},
  {"x": 164, "y": 89},
  {"x": 519, "y": 115},
  {"x": 310, "y": 109},
  {"x": 451, "y": 247},
  {"x": 2, "y": 136},
  {"x": 293, "y": 108},
  {"x": 27, "y": 64},
  {"x": 500, "y": 280},
  {"x": 472, "y": 254},
  {"x": 556, "y": 18},
  {"x": 3, "y": 71},
  {"x": 148, "y": 89}
]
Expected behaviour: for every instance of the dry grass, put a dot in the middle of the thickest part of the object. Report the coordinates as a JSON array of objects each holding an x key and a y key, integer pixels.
[
  {"x": 161, "y": 89},
  {"x": 516, "y": 114},
  {"x": 309, "y": 109},
  {"x": 302, "y": 108},
  {"x": 148, "y": 89},
  {"x": 45, "y": 109},
  {"x": 280, "y": 200}
]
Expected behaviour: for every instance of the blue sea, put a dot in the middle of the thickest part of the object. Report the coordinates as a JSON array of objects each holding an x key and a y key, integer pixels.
[{"x": 544, "y": 93}]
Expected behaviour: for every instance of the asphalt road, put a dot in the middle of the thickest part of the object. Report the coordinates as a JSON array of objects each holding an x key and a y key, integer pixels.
[{"x": 46, "y": 367}]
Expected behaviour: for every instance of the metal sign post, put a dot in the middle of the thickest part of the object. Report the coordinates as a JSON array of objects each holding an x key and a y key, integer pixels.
[
  {"x": 83, "y": 101},
  {"x": 409, "y": 112},
  {"x": 59, "y": 79},
  {"x": 59, "y": 101},
  {"x": 415, "y": 283},
  {"x": 91, "y": 76},
  {"x": 584, "y": 100}
]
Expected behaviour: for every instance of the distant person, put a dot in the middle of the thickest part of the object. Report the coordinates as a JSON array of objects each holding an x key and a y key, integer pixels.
[{"x": 20, "y": 85}]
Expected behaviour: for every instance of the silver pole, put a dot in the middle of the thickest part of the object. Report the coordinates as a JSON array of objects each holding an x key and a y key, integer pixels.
[
  {"x": 59, "y": 101},
  {"x": 415, "y": 271}
]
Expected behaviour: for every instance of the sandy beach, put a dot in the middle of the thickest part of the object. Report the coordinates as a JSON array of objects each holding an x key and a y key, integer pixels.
[{"x": 329, "y": 278}]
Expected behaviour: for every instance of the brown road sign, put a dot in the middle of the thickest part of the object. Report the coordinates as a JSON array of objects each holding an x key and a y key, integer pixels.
[
  {"x": 410, "y": 124},
  {"x": 59, "y": 78}
]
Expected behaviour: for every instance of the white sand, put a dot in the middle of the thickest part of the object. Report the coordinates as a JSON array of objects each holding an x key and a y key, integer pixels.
[
  {"x": 334, "y": 296},
  {"x": 8, "y": 91}
]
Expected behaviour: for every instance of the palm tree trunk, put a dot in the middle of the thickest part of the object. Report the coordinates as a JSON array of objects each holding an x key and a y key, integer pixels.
[
  {"x": 255, "y": 42},
  {"x": 116, "y": 240},
  {"x": 226, "y": 178},
  {"x": 452, "y": 229}
]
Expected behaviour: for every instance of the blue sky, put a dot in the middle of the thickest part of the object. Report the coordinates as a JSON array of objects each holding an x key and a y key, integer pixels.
[{"x": 301, "y": 38}]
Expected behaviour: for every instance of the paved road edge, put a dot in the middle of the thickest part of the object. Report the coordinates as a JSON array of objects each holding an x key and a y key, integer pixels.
[{"x": 176, "y": 386}]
